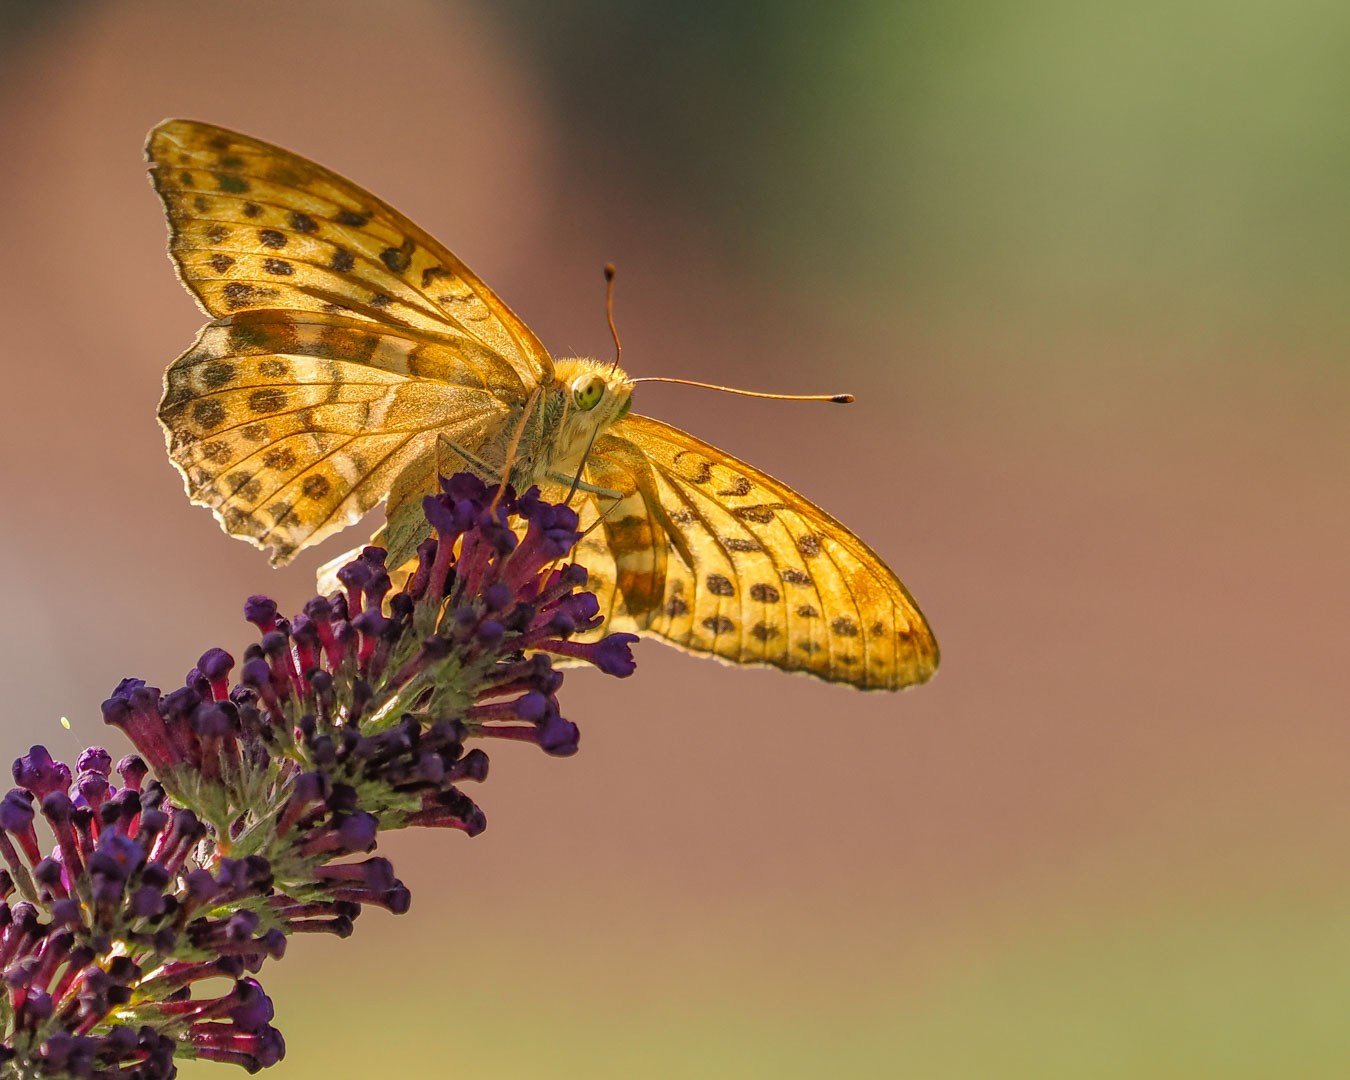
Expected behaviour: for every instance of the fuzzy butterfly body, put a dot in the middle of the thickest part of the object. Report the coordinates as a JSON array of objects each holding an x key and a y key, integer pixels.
[{"x": 352, "y": 358}]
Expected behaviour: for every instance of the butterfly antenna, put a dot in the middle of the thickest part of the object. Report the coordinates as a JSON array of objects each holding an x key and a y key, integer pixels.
[
  {"x": 838, "y": 399},
  {"x": 609, "y": 313},
  {"x": 512, "y": 449}
]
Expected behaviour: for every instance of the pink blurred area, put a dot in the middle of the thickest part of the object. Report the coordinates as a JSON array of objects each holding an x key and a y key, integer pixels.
[{"x": 1133, "y": 559}]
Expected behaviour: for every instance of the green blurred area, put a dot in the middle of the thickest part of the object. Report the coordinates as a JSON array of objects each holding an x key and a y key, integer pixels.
[
  {"x": 1177, "y": 994},
  {"x": 1173, "y": 163}
]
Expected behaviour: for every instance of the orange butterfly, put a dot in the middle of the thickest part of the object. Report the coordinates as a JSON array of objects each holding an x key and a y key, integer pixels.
[{"x": 351, "y": 358}]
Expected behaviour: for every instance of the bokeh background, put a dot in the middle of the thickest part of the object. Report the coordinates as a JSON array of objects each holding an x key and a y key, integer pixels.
[{"x": 1085, "y": 267}]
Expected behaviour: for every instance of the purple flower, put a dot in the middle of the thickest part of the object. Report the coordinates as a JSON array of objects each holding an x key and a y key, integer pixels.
[{"x": 250, "y": 809}]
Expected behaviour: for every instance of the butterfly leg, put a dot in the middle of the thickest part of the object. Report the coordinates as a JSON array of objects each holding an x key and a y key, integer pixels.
[
  {"x": 478, "y": 465},
  {"x": 581, "y": 485}
]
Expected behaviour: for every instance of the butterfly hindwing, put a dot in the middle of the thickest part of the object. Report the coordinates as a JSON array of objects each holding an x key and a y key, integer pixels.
[
  {"x": 732, "y": 563},
  {"x": 291, "y": 425},
  {"x": 255, "y": 226}
]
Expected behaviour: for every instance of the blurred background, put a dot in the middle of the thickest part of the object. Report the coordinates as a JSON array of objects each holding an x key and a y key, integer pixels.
[{"x": 1085, "y": 267}]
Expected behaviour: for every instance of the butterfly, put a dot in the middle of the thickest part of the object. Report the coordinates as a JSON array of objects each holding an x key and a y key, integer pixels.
[{"x": 351, "y": 358}]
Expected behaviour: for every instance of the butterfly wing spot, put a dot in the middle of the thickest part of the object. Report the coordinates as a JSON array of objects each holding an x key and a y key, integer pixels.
[
  {"x": 400, "y": 258},
  {"x": 764, "y": 632},
  {"x": 270, "y": 399},
  {"x": 845, "y": 627},
  {"x": 279, "y": 267},
  {"x": 208, "y": 414},
  {"x": 719, "y": 585},
  {"x": 807, "y": 611},
  {"x": 764, "y": 593},
  {"x": 719, "y": 624},
  {"x": 741, "y": 544}
]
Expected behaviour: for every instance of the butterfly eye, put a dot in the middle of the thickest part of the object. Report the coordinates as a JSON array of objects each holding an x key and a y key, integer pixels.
[{"x": 587, "y": 392}]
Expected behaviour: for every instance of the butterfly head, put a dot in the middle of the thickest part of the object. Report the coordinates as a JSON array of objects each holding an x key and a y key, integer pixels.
[{"x": 598, "y": 392}]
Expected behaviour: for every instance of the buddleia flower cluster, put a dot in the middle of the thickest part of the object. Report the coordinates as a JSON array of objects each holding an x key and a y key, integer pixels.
[{"x": 259, "y": 789}]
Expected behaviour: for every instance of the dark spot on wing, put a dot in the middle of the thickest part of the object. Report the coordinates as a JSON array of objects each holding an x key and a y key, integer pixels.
[
  {"x": 216, "y": 233},
  {"x": 235, "y": 185},
  {"x": 380, "y": 301},
  {"x": 878, "y": 629},
  {"x": 201, "y": 204},
  {"x": 764, "y": 632},
  {"x": 272, "y": 238},
  {"x": 702, "y": 468},
  {"x": 185, "y": 178},
  {"x": 739, "y": 486},
  {"x": 342, "y": 261},
  {"x": 221, "y": 262},
  {"x": 765, "y": 593},
  {"x": 808, "y": 544},
  {"x": 238, "y": 295},
  {"x": 267, "y": 400},
  {"x": 398, "y": 259},
  {"x": 719, "y": 624},
  {"x": 240, "y": 522},
  {"x": 282, "y": 457},
  {"x": 807, "y": 611},
  {"x": 245, "y": 336},
  {"x": 352, "y": 218},
  {"x": 737, "y": 543},
  {"x": 273, "y": 368},
  {"x": 846, "y": 627},
  {"x": 796, "y": 577},
  {"x": 217, "y": 374},
  {"x": 217, "y": 452},
  {"x": 303, "y": 222},
  {"x": 208, "y": 414},
  {"x": 809, "y": 646},
  {"x": 255, "y": 432},
  {"x": 676, "y": 607},
  {"x": 316, "y": 487},
  {"x": 252, "y": 209},
  {"x": 761, "y": 514},
  {"x": 432, "y": 272},
  {"x": 280, "y": 267},
  {"x": 720, "y": 586}
]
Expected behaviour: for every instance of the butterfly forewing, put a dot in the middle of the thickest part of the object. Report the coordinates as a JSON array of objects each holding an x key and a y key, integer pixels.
[
  {"x": 753, "y": 573},
  {"x": 255, "y": 226}
]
